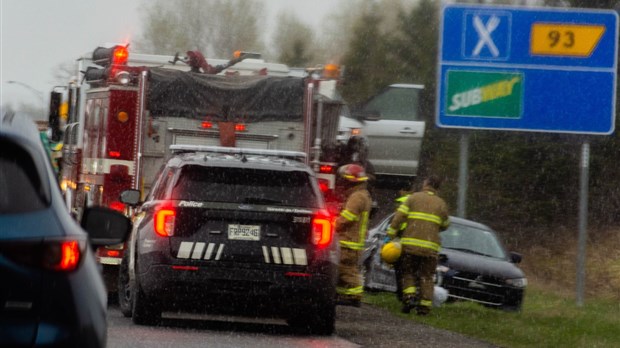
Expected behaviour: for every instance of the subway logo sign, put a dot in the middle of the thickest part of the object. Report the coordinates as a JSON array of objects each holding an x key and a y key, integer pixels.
[{"x": 484, "y": 94}]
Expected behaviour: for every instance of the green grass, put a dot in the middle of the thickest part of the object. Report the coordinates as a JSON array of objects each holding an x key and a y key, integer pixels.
[{"x": 546, "y": 320}]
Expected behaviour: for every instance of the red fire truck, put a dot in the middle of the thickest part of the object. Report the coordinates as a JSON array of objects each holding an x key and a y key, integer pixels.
[{"x": 130, "y": 109}]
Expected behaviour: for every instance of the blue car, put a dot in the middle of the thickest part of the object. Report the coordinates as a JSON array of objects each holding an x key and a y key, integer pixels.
[{"x": 52, "y": 292}]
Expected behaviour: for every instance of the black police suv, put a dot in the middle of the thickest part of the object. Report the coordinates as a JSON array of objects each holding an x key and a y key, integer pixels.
[{"x": 233, "y": 231}]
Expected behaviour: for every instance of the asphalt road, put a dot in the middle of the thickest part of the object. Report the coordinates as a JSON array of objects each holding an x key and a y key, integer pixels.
[{"x": 367, "y": 326}]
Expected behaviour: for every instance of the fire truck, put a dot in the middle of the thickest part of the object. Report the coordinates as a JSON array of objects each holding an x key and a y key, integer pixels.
[{"x": 126, "y": 110}]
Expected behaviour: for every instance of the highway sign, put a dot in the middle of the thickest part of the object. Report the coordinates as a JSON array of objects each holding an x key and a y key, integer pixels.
[{"x": 527, "y": 69}]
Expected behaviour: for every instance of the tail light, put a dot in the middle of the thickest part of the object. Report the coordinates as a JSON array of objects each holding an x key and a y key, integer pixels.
[
  {"x": 322, "y": 230},
  {"x": 164, "y": 222},
  {"x": 118, "y": 206},
  {"x": 240, "y": 127},
  {"x": 53, "y": 255},
  {"x": 327, "y": 169},
  {"x": 323, "y": 185}
]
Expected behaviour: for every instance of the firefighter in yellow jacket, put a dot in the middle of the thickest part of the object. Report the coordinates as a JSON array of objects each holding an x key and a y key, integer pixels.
[
  {"x": 426, "y": 214},
  {"x": 351, "y": 228}
]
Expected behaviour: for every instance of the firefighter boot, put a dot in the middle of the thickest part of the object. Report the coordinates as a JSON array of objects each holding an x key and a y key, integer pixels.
[
  {"x": 409, "y": 302},
  {"x": 423, "y": 307}
]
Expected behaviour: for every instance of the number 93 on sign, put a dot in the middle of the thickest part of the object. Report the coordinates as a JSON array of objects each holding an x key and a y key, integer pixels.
[{"x": 572, "y": 40}]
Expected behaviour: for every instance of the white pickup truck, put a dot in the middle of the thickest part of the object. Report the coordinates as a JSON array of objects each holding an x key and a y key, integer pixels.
[{"x": 393, "y": 127}]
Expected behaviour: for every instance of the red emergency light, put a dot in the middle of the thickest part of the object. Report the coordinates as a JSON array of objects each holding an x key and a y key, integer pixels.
[{"x": 120, "y": 55}]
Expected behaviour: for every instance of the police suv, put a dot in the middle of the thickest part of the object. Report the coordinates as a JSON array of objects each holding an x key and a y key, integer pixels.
[{"x": 232, "y": 231}]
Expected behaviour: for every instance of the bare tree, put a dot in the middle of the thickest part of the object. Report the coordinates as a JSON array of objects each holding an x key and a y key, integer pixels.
[
  {"x": 64, "y": 72},
  {"x": 214, "y": 27},
  {"x": 239, "y": 25},
  {"x": 338, "y": 28},
  {"x": 293, "y": 41}
]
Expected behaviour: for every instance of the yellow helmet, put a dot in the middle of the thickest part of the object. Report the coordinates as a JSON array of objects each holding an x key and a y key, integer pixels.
[{"x": 390, "y": 252}]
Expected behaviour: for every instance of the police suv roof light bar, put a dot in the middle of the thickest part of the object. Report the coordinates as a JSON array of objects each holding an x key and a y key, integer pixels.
[{"x": 295, "y": 155}]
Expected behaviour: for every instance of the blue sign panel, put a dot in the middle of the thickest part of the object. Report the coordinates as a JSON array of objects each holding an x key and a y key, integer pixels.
[{"x": 527, "y": 69}]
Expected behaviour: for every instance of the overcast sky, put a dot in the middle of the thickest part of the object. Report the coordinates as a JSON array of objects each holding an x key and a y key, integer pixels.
[{"x": 36, "y": 36}]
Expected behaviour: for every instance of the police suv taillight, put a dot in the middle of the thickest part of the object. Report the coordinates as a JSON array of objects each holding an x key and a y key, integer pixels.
[
  {"x": 322, "y": 229},
  {"x": 164, "y": 222}
]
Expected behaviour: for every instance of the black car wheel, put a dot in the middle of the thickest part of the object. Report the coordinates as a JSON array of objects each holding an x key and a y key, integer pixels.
[
  {"x": 146, "y": 311},
  {"x": 320, "y": 319},
  {"x": 125, "y": 292}
]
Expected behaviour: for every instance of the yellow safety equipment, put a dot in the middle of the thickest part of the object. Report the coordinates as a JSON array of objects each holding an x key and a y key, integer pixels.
[{"x": 390, "y": 252}]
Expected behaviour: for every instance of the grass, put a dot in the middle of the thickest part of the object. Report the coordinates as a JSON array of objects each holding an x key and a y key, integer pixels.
[
  {"x": 550, "y": 316},
  {"x": 546, "y": 320}
]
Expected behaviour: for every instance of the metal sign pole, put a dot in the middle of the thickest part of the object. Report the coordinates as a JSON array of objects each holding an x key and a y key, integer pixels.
[
  {"x": 463, "y": 170},
  {"x": 583, "y": 221}
]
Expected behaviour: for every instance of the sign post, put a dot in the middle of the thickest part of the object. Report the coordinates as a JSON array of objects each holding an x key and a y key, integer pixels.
[{"x": 529, "y": 69}]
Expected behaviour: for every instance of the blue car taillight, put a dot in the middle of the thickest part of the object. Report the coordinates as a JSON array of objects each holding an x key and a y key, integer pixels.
[{"x": 55, "y": 255}]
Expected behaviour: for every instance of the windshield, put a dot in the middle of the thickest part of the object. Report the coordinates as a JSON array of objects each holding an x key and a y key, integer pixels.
[
  {"x": 241, "y": 185},
  {"x": 471, "y": 239}
]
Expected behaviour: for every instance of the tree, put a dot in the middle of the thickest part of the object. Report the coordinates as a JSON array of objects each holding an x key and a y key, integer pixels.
[
  {"x": 293, "y": 41},
  {"x": 367, "y": 62},
  {"x": 214, "y": 27},
  {"x": 415, "y": 48}
]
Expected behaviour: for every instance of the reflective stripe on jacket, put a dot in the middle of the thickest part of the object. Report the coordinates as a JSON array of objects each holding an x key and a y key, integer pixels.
[
  {"x": 352, "y": 224},
  {"x": 426, "y": 214}
]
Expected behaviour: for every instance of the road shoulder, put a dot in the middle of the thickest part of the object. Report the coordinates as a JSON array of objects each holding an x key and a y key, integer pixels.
[{"x": 371, "y": 326}]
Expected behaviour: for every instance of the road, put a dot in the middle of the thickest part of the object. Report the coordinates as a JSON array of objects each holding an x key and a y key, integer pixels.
[{"x": 367, "y": 326}]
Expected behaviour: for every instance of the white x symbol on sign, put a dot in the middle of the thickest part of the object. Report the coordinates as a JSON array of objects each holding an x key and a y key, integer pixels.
[{"x": 484, "y": 35}]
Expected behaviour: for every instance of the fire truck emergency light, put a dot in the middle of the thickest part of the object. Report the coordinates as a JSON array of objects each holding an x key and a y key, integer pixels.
[
  {"x": 111, "y": 59},
  {"x": 116, "y": 55},
  {"x": 331, "y": 71}
]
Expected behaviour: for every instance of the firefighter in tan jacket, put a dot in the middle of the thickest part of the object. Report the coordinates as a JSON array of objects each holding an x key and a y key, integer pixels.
[
  {"x": 351, "y": 228},
  {"x": 426, "y": 214}
]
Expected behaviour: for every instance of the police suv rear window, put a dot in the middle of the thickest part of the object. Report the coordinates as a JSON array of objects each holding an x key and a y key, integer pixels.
[{"x": 243, "y": 185}]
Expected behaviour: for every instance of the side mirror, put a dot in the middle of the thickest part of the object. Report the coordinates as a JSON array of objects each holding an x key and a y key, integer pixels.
[
  {"x": 515, "y": 257},
  {"x": 130, "y": 197},
  {"x": 367, "y": 115},
  {"x": 105, "y": 226}
]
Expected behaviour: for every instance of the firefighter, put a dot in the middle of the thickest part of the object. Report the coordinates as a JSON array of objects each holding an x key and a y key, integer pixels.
[
  {"x": 426, "y": 214},
  {"x": 351, "y": 228},
  {"x": 397, "y": 265}
]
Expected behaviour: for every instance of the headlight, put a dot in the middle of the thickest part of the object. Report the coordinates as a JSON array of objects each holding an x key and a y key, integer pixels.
[{"x": 517, "y": 282}]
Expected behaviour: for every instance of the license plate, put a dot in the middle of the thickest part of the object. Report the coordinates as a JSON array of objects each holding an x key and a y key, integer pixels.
[{"x": 244, "y": 232}]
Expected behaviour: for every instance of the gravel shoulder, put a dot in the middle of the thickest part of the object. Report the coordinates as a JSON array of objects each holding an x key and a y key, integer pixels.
[{"x": 371, "y": 326}]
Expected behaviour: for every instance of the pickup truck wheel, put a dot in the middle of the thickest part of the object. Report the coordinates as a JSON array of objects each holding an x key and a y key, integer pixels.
[
  {"x": 125, "y": 288},
  {"x": 146, "y": 311}
]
